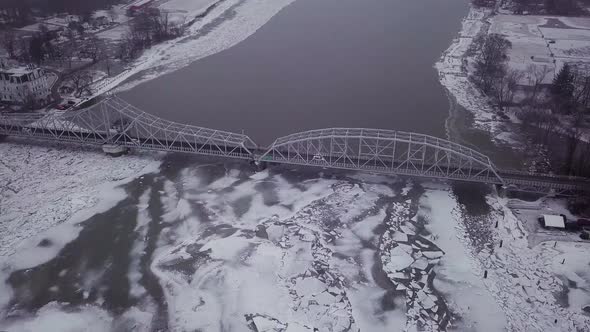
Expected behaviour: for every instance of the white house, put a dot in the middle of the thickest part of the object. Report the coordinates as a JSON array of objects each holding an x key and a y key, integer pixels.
[{"x": 20, "y": 84}]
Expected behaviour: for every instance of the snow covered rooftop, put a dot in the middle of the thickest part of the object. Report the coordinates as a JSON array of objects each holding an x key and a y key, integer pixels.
[{"x": 553, "y": 221}]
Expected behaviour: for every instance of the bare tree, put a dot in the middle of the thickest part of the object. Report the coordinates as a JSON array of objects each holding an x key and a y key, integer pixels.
[
  {"x": 113, "y": 15},
  {"x": 574, "y": 134},
  {"x": 507, "y": 86},
  {"x": 95, "y": 48},
  {"x": 491, "y": 58},
  {"x": 81, "y": 81},
  {"x": 24, "y": 53},
  {"x": 107, "y": 62},
  {"x": 548, "y": 123},
  {"x": 28, "y": 101},
  {"x": 514, "y": 77},
  {"x": 581, "y": 93},
  {"x": 161, "y": 27},
  {"x": 536, "y": 75},
  {"x": 70, "y": 48},
  {"x": 583, "y": 160},
  {"x": 8, "y": 40}
]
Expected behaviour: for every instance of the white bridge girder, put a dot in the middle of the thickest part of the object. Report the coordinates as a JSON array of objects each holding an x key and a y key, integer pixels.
[
  {"x": 383, "y": 151},
  {"x": 115, "y": 122}
]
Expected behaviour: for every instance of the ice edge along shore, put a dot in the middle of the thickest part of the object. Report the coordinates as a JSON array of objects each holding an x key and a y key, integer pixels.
[{"x": 454, "y": 76}]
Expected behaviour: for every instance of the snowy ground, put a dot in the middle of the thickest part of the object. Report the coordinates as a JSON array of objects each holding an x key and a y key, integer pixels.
[
  {"x": 183, "y": 11},
  {"x": 544, "y": 40},
  {"x": 539, "y": 298},
  {"x": 227, "y": 248}
]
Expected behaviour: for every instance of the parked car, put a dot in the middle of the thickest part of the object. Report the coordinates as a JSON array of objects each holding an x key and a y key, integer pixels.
[
  {"x": 61, "y": 107},
  {"x": 318, "y": 157}
]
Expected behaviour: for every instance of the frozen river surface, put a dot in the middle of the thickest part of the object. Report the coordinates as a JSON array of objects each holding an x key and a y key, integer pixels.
[{"x": 211, "y": 246}]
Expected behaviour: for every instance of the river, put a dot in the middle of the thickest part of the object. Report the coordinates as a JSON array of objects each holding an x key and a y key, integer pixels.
[{"x": 318, "y": 64}]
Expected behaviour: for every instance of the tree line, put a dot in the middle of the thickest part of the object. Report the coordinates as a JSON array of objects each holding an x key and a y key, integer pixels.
[
  {"x": 555, "y": 7},
  {"x": 559, "y": 106},
  {"x": 19, "y": 12},
  {"x": 146, "y": 30}
]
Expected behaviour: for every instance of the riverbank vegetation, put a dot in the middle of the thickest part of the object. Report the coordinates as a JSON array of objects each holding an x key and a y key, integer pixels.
[
  {"x": 146, "y": 30},
  {"x": 538, "y": 75}
]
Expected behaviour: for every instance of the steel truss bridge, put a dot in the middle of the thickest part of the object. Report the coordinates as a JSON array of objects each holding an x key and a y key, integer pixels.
[{"x": 114, "y": 122}]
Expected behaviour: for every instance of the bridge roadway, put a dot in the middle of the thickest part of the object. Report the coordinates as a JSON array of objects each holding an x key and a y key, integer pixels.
[
  {"x": 115, "y": 122},
  {"x": 534, "y": 182},
  {"x": 511, "y": 179}
]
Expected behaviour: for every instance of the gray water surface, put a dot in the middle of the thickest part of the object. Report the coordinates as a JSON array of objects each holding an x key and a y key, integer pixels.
[{"x": 317, "y": 64}]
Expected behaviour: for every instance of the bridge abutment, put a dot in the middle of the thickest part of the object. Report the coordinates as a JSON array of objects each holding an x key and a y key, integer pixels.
[
  {"x": 501, "y": 191},
  {"x": 260, "y": 165},
  {"x": 114, "y": 150}
]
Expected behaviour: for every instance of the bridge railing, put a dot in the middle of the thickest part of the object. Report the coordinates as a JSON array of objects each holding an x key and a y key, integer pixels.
[{"x": 511, "y": 172}]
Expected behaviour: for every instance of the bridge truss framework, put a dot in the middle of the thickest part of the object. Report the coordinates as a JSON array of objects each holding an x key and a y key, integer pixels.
[
  {"x": 383, "y": 151},
  {"x": 117, "y": 123}
]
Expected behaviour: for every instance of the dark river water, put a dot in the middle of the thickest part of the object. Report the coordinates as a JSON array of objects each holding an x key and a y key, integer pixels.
[{"x": 318, "y": 64}]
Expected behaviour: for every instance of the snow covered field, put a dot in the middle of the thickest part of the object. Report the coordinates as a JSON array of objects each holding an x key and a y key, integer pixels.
[
  {"x": 212, "y": 246},
  {"x": 539, "y": 40}
]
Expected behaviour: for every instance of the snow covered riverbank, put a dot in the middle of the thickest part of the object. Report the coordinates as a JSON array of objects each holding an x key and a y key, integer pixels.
[
  {"x": 225, "y": 25},
  {"x": 540, "y": 42},
  {"x": 453, "y": 73}
]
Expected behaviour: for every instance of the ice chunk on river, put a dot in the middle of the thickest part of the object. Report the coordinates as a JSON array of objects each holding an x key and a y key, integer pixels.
[
  {"x": 400, "y": 259},
  {"x": 307, "y": 286}
]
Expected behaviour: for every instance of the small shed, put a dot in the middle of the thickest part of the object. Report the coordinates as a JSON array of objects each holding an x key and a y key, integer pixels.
[{"x": 552, "y": 221}]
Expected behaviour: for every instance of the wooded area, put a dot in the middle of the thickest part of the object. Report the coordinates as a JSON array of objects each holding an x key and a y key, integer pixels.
[
  {"x": 555, "y": 7},
  {"x": 561, "y": 107}
]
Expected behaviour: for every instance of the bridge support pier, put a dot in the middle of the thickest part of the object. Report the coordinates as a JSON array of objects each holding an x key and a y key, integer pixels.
[
  {"x": 501, "y": 190},
  {"x": 114, "y": 150},
  {"x": 260, "y": 165}
]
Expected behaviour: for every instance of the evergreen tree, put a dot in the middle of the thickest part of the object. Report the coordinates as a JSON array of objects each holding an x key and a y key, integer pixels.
[
  {"x": 36, "y": 51},
  {"x": 562, "y": 89}
]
